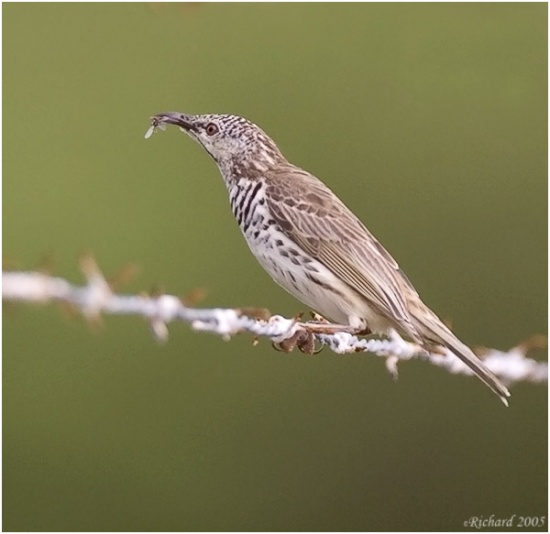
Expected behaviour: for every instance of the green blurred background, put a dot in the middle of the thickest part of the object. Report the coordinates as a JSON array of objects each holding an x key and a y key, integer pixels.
[{"x": 428, "y": 120}]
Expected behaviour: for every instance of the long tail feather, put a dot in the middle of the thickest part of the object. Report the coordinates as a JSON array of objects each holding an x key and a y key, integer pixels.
[{"x": 431, "y": 327}]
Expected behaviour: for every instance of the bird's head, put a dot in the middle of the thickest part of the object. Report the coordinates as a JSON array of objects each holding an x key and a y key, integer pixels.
[{"x": 236, "y": 144}]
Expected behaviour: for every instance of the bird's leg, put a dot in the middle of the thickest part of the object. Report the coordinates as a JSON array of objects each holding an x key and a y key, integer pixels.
[
  {"x": 318, "y": 318},
  {"x": 321, "y": 322}
]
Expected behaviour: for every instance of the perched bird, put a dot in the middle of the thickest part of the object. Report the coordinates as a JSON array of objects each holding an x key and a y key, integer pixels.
[{"x": 311, "y": 243}]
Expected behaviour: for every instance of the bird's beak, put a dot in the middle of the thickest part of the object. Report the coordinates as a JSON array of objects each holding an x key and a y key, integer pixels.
[{"x": 173, "y": 117}]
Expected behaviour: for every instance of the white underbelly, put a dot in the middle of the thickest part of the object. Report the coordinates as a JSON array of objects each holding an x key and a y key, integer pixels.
[{"x": 317, "y": 287}]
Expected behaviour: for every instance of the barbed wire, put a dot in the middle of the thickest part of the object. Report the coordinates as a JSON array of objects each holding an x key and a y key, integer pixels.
[{"x": 98, "y": 297}]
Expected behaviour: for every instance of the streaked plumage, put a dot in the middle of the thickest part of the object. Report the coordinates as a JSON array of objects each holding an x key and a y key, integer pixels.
[{"x": 311, "y": 243}]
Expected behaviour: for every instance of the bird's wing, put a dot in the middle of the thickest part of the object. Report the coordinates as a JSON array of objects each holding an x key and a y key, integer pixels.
[{"x": 324, "y": 227}]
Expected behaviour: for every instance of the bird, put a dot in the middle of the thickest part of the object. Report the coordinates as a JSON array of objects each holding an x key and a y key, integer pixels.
[{"x": 311, "y": 243}]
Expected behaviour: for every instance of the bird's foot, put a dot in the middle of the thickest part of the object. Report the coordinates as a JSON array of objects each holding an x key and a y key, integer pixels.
[
  {"x": 302, "y": 339},
  {"x": 363, "y": 332}
]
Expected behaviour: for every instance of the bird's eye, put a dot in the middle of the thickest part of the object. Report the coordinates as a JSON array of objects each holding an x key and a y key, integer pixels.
[{"x": 211, "y": 129}]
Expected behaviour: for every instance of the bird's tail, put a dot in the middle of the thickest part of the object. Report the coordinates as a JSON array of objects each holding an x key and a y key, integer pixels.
[{"x": 433, "y": 329}]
